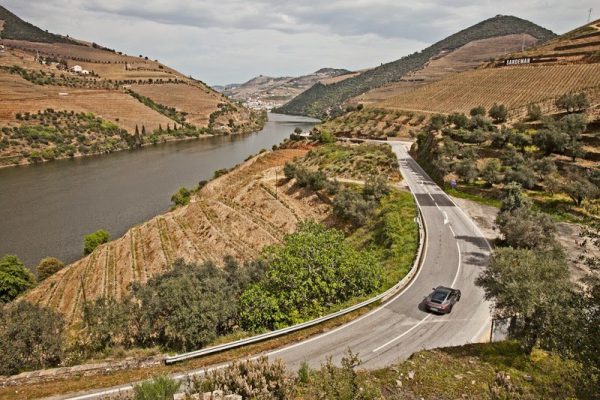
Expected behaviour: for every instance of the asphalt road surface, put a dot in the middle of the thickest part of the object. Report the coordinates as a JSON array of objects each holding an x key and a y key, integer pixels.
[{"x": 455, "y": 253}]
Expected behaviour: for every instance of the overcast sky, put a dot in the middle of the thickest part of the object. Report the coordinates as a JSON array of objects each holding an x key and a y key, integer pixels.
[{"x": 226, "y": 41}]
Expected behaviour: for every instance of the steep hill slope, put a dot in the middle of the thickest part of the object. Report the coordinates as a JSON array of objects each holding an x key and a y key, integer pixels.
[
  {"x": 114, "y": 101},
  {"x": 465, "y": 58},
  {"x": 322, "y": 99},
  {"x": 268, "y": 92},
  {"x": 14, "y": 27},
  {"x": 569, "y": 63},
  {"x": 236, "y": 214}
]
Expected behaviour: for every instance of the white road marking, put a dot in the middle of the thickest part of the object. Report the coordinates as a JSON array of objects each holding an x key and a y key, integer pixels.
[
  {"x": 452, "y": 230},
  {"x": 428, "y": 315}
]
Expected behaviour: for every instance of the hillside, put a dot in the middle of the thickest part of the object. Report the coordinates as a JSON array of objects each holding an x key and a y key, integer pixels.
[
  {"x": 323, "y": 100},
  {"x": 266, "y": 92},
  {"x": 113, "y": 101},
  {"x": 465, "y": 58},
  {"x": 546, "y": 72},
  {"x": 235, "y": 215},
  {"x": 13, "y": 27}
]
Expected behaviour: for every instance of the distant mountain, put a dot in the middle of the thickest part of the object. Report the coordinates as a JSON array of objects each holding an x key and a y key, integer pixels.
[
  {"x": 267, "y": 92},
  {"x": 13, "y": 27},
  {"x": 322, "y": 100}
]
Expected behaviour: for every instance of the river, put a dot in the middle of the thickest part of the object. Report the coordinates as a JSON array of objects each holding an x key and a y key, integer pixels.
[{"x": 46, "y": 209}]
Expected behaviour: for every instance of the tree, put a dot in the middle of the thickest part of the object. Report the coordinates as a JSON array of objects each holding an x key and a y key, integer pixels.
[
  {"x": 314, "y": 269},
  {"x": 534, "y": 112},
  {"x": 499, "y": 113},
  {"x": 551, "y": 140},
  {"x": 31, "y": 337},
  {"x": 531, "y": 288},
  {"x": 436, "y": 122},
  {"x": 467, "y": 170},
  {"x": 544, "y": 167},
  {"x": 572, "y": 102},
  {"x": 524, "y": 228},
  {"x": 522, "y": 174},
  {"x": 579, "y": 187},
  {"x": 93, "y": 240},
  {"x": 513, "y": 198},
  {"x": 460, "y": 120},
  {"x": 187, "y": 307},
  {"x": 574, "y": 125},
  {"x": 490, "y": 172},
  {"x": 47, "y": 267},
  {"x": 479, "y": 110},
  {"x": 14, "y": 278}
]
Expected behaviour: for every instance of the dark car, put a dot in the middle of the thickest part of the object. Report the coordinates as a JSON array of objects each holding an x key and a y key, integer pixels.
[{"x": 442, "y": 299}]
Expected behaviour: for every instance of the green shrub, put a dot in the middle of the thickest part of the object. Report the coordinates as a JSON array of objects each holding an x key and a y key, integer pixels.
[
  {"x": 312, "y": 270},
  {"x": 93, "y": 240},
  {"x": 159, "y": 388},
  {"x": 47, "y": 267},
  {"x": 14, "y": 278},
  {"x": 181, "y": 197},
  {"x": 31, "y": 337}
]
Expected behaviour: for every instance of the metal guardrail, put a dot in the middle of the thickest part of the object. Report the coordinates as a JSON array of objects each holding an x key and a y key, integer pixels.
[{"x": 284, "y": 331}]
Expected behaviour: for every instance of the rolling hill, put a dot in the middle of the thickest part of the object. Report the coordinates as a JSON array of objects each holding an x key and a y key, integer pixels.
[
  {"x": 61, "y": 97},
  {"x": 322, "y": 100},
  {"x": 267, "y": 92},
  {"x": 569, "y": 63}
]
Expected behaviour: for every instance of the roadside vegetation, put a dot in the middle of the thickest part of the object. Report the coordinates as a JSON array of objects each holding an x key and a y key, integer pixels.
[
  {"x": 554, "y": 158},
  {"x": 366, "y": 247}
]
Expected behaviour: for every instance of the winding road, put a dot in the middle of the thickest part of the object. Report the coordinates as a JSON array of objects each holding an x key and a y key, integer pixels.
[{"x": 454, "y": 254}]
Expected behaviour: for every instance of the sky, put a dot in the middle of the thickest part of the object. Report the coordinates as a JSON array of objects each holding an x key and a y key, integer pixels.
[{"x": 231, "y": 41}]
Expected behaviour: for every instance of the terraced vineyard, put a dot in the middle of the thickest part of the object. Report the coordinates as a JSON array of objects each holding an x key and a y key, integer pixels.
[
  {"x": 236, "y": 214},
  {"x": 515, "y": 87}
]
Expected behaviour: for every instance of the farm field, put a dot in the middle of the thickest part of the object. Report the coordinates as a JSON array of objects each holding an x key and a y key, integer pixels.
[
  {"x": 515, "y": 87},
  {"x": 465, "y": 58},
  {"x": 20, "y": 96},
  {"x": 198, "y": 103}
]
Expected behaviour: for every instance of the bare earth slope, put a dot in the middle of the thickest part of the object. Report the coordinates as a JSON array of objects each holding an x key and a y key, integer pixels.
[{"x": 236, "y": 214}]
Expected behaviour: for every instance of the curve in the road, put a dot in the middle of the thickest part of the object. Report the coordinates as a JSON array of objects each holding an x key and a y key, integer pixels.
[{"x": 455, "y": 253}]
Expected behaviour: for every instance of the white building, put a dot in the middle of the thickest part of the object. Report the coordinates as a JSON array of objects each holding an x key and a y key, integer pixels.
[
  {"x": 76, "y": 68},
  {"x": 85, "y": 72}
]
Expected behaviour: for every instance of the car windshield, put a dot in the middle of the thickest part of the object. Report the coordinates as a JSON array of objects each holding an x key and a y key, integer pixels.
[{"x": 439, "y": 296}]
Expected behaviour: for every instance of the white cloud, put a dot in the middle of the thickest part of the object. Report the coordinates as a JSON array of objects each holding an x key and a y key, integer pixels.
[{"x": 232, "y": 40}]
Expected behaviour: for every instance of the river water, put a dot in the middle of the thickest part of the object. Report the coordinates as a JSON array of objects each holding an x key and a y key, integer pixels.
[{"x": 46, "y": 209}]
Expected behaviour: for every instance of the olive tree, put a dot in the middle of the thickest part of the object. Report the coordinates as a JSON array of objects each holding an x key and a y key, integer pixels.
[{"x": 14, "y": 278}]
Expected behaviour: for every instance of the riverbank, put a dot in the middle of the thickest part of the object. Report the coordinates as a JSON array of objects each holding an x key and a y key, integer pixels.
[{"x": 47, "y": 209}]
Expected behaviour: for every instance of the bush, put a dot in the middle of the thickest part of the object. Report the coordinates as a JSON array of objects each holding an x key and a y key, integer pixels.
[
  {"x": 490, "y": 172},
  {"x": 480, "y": 110},
  {"x": 251, "y": 379},
  {"x": 534, "y": 112},
  {"x": 159, "y": 388},
  {"x": 14, "y": 278},
  {"x": 523, "y": 228},
  {"x": 333, "y": 382},
  {"x": 314, "y": 269},
  {"x": 350, "y": 206},
  {"x": 31, "y": 337},
  {"x": 499, "y": 113},
  {"x": 181, "y": 197},
  {"x": 47, "y": 267},
  {"x": 93, "y": 240}
]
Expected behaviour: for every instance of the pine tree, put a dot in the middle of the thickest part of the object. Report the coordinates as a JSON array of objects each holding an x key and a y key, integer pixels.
[
  {"x": 137, "y": 131},
  {"x": 143, "y": 130}
]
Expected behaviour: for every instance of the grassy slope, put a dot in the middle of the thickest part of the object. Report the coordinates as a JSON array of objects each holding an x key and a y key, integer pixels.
[
  {"x": 320, "y": 98},
  {"x": 16, "y": 28},
  {"x": 472, "y": 372}
]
